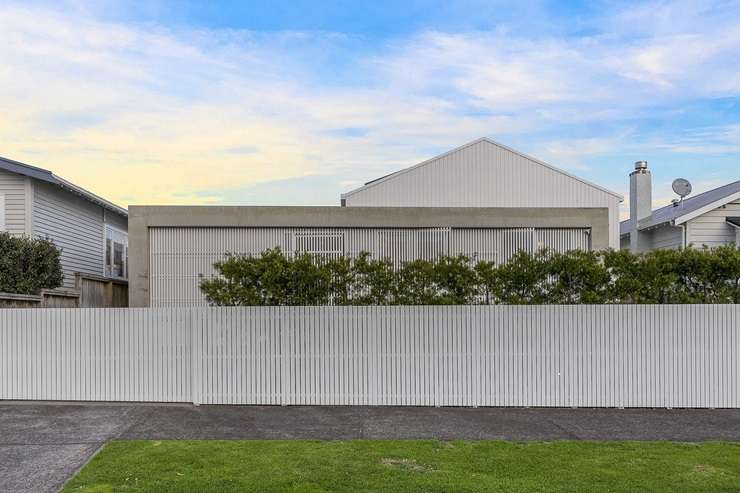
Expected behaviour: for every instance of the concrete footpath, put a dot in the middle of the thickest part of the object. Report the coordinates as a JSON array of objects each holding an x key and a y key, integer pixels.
[{"x": 43, "y": 444}]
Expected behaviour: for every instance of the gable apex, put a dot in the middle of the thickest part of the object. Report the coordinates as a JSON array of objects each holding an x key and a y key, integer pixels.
[{"x": 479, "y": 141}]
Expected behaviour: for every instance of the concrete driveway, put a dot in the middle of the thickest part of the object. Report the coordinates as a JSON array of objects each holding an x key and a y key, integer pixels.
[{"x": 43, "y": 444}]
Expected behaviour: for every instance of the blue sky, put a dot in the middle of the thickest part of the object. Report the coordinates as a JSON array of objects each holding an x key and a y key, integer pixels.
[{"x": 295, "y": 102}]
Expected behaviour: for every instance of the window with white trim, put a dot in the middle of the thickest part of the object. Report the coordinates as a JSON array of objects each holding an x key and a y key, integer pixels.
[{"x": 116, "y": 253}]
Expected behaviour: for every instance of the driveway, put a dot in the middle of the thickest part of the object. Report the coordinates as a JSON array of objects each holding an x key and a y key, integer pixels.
[{"x": 43, "y": 444}]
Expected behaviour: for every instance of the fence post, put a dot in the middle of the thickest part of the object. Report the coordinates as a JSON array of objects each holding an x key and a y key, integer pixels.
[{"x": 195, "y": 321}]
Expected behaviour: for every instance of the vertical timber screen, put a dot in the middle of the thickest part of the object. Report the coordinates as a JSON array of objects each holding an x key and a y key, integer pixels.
[{"x": 584, "y": 356}]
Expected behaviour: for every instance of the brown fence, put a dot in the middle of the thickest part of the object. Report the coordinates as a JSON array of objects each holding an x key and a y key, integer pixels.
[
  {"x": 101, "y": 292},
  {"x": 91, "y": 292},
  {"x": 46, "y": 299}
]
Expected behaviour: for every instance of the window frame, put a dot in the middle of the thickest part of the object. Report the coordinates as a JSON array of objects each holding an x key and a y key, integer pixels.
[{"x": 108, "y": 256}]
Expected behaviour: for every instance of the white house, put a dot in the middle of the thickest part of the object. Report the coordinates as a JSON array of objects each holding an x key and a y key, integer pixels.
[
  {"x": 482, "y": 199},
  {"x": 90, "y": 231},
  {"x": 709, "y": 219}
]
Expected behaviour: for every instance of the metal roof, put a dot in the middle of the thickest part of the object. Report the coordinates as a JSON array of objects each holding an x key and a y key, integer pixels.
[
  {"x": 690, "y": 207},
  {"x": 49, "y": 177},
  {"x": 390, "y": 176}
]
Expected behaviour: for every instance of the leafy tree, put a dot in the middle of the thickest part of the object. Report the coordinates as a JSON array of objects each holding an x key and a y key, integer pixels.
[
  {"x": 522, "y": 280},
  {"x": 415, "y": 284},
  {"x": 576, "y": 277},
  {"x": 456, "y": 281},
  {"x": 28, "y": 265},
  {"x": 270, "y": 279},
  {"x": 375, "y": 281}
]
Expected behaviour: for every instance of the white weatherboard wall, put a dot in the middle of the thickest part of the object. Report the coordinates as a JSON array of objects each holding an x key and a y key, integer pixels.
[
  {"x": 13, "y": 196},
  {"x": 711, "y": 229},
  {"x": 181, "y": 256},
  {"x": 590, "y": 356},
  {"x": 486, "y": 174},
  {"x": 75, "y": 225}
]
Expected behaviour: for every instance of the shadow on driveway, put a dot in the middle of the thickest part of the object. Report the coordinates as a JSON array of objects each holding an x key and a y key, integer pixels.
[{"x": 43, "y": 444}]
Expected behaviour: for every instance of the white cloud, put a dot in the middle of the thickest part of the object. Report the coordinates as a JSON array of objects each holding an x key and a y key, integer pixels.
[{"x": 145, "y": 113}]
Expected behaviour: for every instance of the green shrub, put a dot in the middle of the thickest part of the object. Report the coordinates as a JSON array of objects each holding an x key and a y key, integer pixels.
[
  {"x": 28, "y": 265},
  {"x": 546, "y": 277}
]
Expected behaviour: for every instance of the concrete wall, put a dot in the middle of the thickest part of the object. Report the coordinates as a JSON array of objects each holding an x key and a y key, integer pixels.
[{"x": 143, "y": 218}]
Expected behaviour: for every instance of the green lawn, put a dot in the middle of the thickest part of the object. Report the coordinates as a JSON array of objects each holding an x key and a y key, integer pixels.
[{"x": 409, "y": 466}]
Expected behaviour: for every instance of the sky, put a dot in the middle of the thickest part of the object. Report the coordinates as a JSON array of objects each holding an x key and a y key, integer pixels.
[{"x": 295, "y": 102}]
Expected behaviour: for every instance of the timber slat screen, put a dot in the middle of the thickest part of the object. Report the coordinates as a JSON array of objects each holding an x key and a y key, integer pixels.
[
  {"x": 181, "y": 257},
  {"x": 584, "y": 356}
]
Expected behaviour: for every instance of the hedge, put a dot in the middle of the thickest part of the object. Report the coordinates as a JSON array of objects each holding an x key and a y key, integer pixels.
[
  {"x": 575, "y": 277},
  {"x": 28, "y": 265}
]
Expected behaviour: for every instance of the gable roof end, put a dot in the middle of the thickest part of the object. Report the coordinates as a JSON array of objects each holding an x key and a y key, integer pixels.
[
  {"x": 395, "y": 174},
  {"x": 49, "y": 177}
]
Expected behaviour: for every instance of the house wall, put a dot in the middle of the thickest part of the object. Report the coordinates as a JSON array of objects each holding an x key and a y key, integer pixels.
[
  {"x": 667, "y": 237},
  {"x": 76, "y": 227},
  {"x": 13, "y": 191},
  {"x": 181, "y": 257},
  {"x": 484, "y": 174},
  {"x": 183, "y": 234},
  {"x": 711, "y": 230}
]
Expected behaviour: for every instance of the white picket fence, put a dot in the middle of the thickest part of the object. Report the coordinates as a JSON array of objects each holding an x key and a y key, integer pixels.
[{"x": 585, "y": 356}]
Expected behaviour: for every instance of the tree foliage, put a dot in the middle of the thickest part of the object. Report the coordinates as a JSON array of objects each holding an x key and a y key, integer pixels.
[
  {"x": 545, "y": 277},
  {"x": 28, "y": 265}
]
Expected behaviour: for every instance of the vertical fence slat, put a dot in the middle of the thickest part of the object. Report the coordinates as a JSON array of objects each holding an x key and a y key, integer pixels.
[{"x": 603, "y": 356}]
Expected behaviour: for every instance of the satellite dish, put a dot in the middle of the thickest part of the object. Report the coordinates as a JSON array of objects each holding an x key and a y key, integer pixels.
[{"x": 682, "y": 187}]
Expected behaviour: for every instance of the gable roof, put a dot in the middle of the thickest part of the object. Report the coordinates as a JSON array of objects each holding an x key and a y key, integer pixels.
[
  {"x": 690, "y": 208},
  {"x": 49, "y": 177},
  {"x": 398, "y": 173}
]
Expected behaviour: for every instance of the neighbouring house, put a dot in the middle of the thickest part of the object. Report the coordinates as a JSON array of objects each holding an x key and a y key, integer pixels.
[
  {"x": 709, "y": 219},
  {"x": 91, "y": 232},
  {"x": 482, "y": 199}
]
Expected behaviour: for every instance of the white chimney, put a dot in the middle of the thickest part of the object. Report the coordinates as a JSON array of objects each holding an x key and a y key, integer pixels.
[{"x": 641, "y": 203}]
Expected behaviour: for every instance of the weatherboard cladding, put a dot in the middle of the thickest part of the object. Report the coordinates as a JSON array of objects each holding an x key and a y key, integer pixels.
[
  {"x": 670, "y": 237},
  {"x": 711, "y": 229},
  {"x": 690, "y": 204},
  {"x": 12, "y": 190},
  {"x": 74, "y": 224}
]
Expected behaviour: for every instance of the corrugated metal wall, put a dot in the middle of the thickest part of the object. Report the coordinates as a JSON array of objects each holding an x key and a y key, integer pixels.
[
  {"x": 559, "y": 356},
  {"x": 180, "y": 257},
  {"x": 484, "y": 174}
]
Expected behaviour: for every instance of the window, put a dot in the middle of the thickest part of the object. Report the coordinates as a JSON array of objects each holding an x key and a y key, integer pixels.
[
  {"x": 116, "y": 253},
  {"x": 321, "y": 245}
]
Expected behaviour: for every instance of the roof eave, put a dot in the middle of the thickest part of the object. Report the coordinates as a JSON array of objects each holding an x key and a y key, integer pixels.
[{"x": 709, "y": 207}]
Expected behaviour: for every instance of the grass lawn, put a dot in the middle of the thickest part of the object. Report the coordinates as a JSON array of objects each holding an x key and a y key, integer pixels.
[{"x": 409, "y": 466}]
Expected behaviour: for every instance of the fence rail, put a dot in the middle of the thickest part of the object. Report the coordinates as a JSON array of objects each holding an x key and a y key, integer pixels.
[{"x": 584, "y": 356}]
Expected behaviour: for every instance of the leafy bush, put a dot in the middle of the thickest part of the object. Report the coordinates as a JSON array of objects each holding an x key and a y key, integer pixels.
[
  {"x": 28, "y": 265},
  {"x": 546, "y": 277}
]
